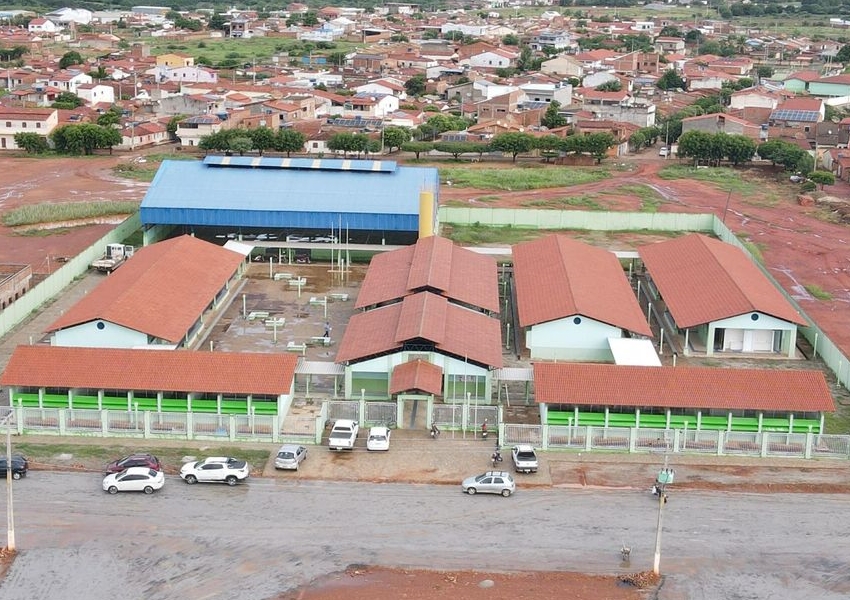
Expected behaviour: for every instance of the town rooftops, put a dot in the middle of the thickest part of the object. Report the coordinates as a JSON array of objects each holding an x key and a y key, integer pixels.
[
  {"x": 770, "y": 390},
  {"x": 433, "y": 264},
  {"x": 558, "y": 277},
  {"x": 162, "y": 290},
  {"x": 703, "y": 280},
  {"x": 182, "y": 371}
]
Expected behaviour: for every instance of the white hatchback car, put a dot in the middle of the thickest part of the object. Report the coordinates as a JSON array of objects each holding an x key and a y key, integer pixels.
[
  {"x": 134, "y": 479},
  {"x": 290, "y": 456},
  {"x": 379, "y": 439},
  {"x": 216, "y": 468}
]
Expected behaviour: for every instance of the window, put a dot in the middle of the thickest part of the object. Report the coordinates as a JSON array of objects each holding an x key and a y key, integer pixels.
[{"x": 8, "y": 123}]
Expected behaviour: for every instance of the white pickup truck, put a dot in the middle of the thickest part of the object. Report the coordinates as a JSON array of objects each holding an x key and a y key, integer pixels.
[{"x": 343, "y": 435}]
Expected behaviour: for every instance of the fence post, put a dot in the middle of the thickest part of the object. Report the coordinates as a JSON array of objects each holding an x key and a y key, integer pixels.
[
  {"x": 61, "y": 412},
  {"x": 19, "y": 418},
  {"x": 632, "y": 439},
  {"x": 231, "y": 430},
  {"x": 190, "y": 426},
  {"x": 544, "y": 436},
  {"x": 147, "y": 429},
  {"x": 764, "y": 438},
  {"x": 588, "y": 437},
  {"x": 810, "y": 440},
  {"x": 104, "y": 423},
  {"x": 276, "y": 420},
  {"x": 677, "y": 439},
  {"x": 721, "y": 436},
  {"x": 320, "y": 426}
]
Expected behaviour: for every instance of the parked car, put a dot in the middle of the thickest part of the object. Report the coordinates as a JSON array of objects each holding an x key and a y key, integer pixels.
[
  {"x": 20, "y": 466},
  {"x": 134, "y": 479},
  {"x": 525, "y": 459},
  {"x": 379, "y": 439},
  {"x": 134, "y": 460},
  {"x": 289, "y": 456},
  {"x": 216, "y": 469},
  {"x": 491, "y": 482},
  {"x": 663, "y": 151}
]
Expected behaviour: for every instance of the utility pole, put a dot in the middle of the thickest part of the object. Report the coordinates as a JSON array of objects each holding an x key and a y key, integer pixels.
[
  {"x": 665, "y": 477},
  {"x": 10, "y": 514}
]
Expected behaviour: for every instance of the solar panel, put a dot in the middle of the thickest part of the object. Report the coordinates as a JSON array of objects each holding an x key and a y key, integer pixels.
[{"x": 783, "y": 114}]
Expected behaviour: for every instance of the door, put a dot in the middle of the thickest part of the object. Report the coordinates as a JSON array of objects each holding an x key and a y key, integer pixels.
[
  {"x": 733, "y": 340},
  {"x": 763, "y": 340}
]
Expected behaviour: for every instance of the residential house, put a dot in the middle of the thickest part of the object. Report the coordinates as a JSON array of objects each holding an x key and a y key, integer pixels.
[
  {"x": 192, "y": 129},
  {"x": 143, "y": 134},
  {"x": 369, "y": 63},
  {"x": 837, "y": 86},
  {"x": 43, "y": 27},
  {"x": 572, "y": 298},
  {"x": 718, "y": 299},
  {"x": 619, "y": 106},
  {"x": 723, "y": 123},
  {"x": 698, "y": 77},
  {"x": 636, "y": 62},
  {"x": 799, "y": 81},
  {"x": 68, "y": 80},
  {"x": 548, "y": 38},
  {"x": 738, "y": 66},
  {"x": 385, "y": 86},
  {"x": 175, "y": 59},
  {"x": 562, "y": 65},
  {"x": 25, "y": 120},
  {"x": 547, "y": 92},
  {"x": 96, "y": 93},
  {"x": 184, "y": 74},
  {"x": 797, "y": 115},
  {"x": 499, "y": 107},
  {"x": 669, "y": 45}
]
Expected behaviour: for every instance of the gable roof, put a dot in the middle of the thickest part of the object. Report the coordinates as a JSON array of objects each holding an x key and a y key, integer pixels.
[
  {"x": 557, "y": 277},
  {"x": 703, "y": 280},
  {"x": 434, "y": 264},
  {"x": 161, "y": 290},
  {"x": 782, "y": 390},
  {"x": 417, "y": 375},
  {"x": 425, "y": 318},
  {"x": 154, "y": 370}
]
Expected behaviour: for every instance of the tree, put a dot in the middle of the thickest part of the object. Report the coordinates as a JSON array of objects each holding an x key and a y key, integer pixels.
[
  {"x": 348, "y": 142},
  {"x": 740, "y": 149},
  {"x": 415, "y": 86},
  {"x": 670, "y": 31},
  {"x": 218, "y": 21},
  {"x": 610, "y": 86},
  {"x": 171, "y": 128},
  {"x": 764, "y": 72},
  {"x": 637, "y": 140},
  {"x": 373, "y": 147},
  {"x": 527, "y": 61},
  {"x": 67, "y": 101},
  {"x": 513, "y": 143},
  {"x": 262, "y": 138},
  {"x": 511, "y": 39},
  {"x": 84, "y": 138},
  {"x": 32, "y": 143},
  {"x": 396, "y": 137},
  {"x": 820, "y": 177},
  {"x": 670, "y": 80},
  {"x": 456, "y": 148},
  {"x": 310, "y": 19},
  {"x": 417, "y": 147},
  {"x": 843, "y": 55},
  {"x": 70, "y": 58},
  {"x": 551, "y": 118},
  {"x": 241, "y": 144},
  {"x": 399, "y": 38},
  {"x": 549, "y": 146},
  {"x": 695, "y": 145},
  {"x": 597, "y": 144},
  {"x": 288, "y": 140},
  {"x": 110, "y": 117}
]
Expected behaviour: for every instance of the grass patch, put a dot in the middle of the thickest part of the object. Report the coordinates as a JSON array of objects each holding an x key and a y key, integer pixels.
[
  {"x": 818, "y": 292},
  {"x": 726, "y": 179},
  {"x": 585, "y": 201},
  {"x": 520, "y": 178},
  {"x": 47, "y": 212},
  {"x": 754, "y": 249},
  {"x": 257, "y": 50},
  {"x": 479, "y": 234},
  {"x": 650, "y": 200},
  {"x": 96, "y": 456},
  {"x": 146, "y": 171}
]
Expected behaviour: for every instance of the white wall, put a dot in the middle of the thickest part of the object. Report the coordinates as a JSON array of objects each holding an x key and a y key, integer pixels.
[
  {"x": 88, "y": 335},
  {"x": 564, "y": 339}
]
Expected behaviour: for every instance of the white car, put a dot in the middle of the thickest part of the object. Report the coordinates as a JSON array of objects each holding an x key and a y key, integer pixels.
[
  {"x": 663, "y": 151},
  {"x": 290, "y": 456},
  {"x": 216, "y": 469},
  {"x": 134, "y": 479},
  {"x": 379, "y": 439}
]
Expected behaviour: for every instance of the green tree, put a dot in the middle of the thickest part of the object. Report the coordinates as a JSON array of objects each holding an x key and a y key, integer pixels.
[
  {"x": 740, "y": 149},
  {"x": 511, "y": 40},
  {"x": 70, "y": 58},
  {"x": 843, "y": 55},
  {"x": 240, "y": 144},
  {"x": 98, "y": 73},
  {"x": 513, "y": 143},
  {"x": 695, "y": 145},
  {"x": 417, "y": 148},
  {"x": 670, "y": 31},
  {"x": 262, "y": 138},
  {"x": 764, "y": 72},
  {"x": 456, "y": 148},
  {"x": 670, "y": 80},
  {"x": 310, "y": 19},
  {"x": 820, "y": 177},
  {"x": 396, "y": 137},
  {"x": 289, "y": 140},
  {"x": 637, "y": 140},
  {"x": 610, "y": 86},
  {"x": 171, "y": 128},
  {"x": 218, "y": 22},
  {"x": 67, "y": 101},
  {"x": 84, "y": 138},
  {"x": 372, "y": 147},
  {"x": 32, "y": 143},
  {"x": 549, "y": 146},
  {"x": 415, "y": 86},
  {"x": 551, "y": 118},
  {"x": 598, "y": 144},
  {"x": 399, "y": 38},
  {"x": 111, "y": 117},
  {"x": 527, "y": 60}
]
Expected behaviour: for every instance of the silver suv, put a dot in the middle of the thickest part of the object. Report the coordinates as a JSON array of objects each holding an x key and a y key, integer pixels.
[{"x": 525, "y": 459}]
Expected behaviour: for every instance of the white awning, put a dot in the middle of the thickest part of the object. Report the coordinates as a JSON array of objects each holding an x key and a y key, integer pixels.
[
  {"x": 634, "y": 352},
  {"x": 315, "y": 367},
  {"x": 239, "y": 247}
]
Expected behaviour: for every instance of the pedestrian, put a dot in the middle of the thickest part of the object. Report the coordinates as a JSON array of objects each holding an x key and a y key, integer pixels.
[{"x": 327, "y": 329}]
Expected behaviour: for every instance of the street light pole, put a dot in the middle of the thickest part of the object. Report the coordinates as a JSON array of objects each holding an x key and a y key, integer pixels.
[{"x": 10, "y": 514}]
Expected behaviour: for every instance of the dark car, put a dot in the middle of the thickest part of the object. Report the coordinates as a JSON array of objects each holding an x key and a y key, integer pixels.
[
  {"x": 20, "y": 465},
  {"x": 134, "y": 460}
]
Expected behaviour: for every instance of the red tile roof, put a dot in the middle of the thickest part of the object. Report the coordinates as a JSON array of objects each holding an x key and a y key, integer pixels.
[
  {"x": 426, "y": 318},
  {"x": 153, "y": 370},
  {"x": 162, "y": 290},
  {"x": 417, "y": 375},
  {"x": 703, "y": 280},
  {"x": 558, "y": 277},
  {"x": 434, "y": 264},
  {"x": 584, "y": 384}
]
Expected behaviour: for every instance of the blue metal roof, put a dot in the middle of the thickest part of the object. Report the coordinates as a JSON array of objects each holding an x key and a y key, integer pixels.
[{"x": 287, "y": 193}]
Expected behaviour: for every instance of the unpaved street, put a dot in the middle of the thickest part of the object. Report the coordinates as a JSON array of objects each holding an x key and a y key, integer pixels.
[{"x": 270, "y": 535}]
